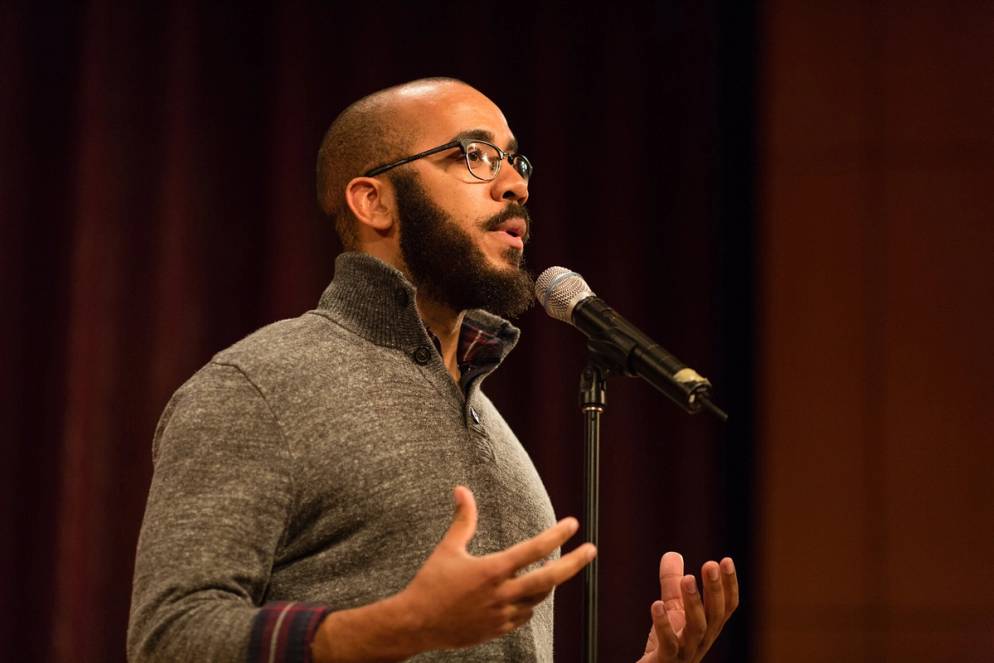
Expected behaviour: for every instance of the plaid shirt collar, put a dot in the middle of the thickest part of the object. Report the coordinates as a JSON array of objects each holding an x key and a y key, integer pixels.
[{"x": 480, "y": 350}]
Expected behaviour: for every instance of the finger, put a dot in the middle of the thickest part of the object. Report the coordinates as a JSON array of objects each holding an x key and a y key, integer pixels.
[
  {"x": 667, "y": 643},
  {"x": 670, "y": 575},
  {"x": 464, "y": 522},
  {"x": 693, "y": 633},
  {"x": 513, "y": 617},
  {"x": 514, "y": 621},
  {"x": 730, "y": 583},
  {"x": 714, "y": 601},
  {"x": 521, "y": 615},
  {"x": 536, "y": 548},
  {"x": 532, "y": 600},
  {"x": 541, "y": 581}
]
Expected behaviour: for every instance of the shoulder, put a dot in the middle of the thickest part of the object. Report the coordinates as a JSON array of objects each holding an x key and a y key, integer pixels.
[
  {"x": 286, "y": 341},
  {"x": 245, "y": 375}
]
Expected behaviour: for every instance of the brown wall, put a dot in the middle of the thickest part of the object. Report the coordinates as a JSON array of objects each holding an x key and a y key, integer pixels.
[{"x": 876, "y": 287}]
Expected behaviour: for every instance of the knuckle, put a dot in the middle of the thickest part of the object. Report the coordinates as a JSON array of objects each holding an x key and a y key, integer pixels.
[
  {"x": 494, "y": 571},
  {"x": 503, "y": 596},
  {"x": 538, "y": 593},
  {"x": 527, "y": 590}
]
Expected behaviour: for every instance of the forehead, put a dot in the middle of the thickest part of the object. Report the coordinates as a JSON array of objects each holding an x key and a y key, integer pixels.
[{"x": 443, "y": 114}]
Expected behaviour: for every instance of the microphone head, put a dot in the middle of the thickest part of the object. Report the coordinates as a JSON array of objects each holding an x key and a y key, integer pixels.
[{"x": 559, "y": 290}]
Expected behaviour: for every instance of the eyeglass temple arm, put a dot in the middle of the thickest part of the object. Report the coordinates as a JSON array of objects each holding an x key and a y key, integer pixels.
[{"x": 414, "y": 157}]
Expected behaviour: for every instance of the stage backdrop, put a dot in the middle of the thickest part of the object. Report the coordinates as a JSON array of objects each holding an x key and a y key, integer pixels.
[{"x": 157, "y": 204}]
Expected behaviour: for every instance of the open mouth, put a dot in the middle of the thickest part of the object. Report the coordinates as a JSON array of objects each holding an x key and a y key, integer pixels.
[{"x": 515, "y": 228}]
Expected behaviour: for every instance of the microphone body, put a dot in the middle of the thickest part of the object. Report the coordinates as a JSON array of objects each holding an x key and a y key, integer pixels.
[
  {"x": 635, "y": 354},
  {"x": 620, "y": 344}
]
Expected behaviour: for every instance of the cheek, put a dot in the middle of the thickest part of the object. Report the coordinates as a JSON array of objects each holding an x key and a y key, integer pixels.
[{"x": 467, "y": 203}]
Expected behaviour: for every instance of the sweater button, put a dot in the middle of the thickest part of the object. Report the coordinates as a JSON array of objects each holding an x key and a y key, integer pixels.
[
  {"x": 422, "y": 355},
  {"x": 400, "y": 296}
]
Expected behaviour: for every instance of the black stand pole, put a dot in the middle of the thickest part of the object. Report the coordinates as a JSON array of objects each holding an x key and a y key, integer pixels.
[{"x": 593, "y": 398}]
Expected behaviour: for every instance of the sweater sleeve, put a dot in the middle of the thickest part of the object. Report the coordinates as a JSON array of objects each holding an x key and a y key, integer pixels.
[{"x": 217, "y": 510}]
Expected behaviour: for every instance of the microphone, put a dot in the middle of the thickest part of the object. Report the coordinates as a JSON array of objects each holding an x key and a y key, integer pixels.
[{"x": 567, "y": 297}]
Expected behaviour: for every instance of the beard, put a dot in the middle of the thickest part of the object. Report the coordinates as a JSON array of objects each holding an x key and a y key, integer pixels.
[{"x": 446, "y": 264}]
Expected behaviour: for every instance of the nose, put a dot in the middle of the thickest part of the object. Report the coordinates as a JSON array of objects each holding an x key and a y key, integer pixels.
[{"x": 509, "y": 185}]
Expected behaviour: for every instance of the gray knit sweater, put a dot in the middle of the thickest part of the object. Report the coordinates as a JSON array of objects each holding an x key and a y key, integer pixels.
[{"x": 314, "y": 462}]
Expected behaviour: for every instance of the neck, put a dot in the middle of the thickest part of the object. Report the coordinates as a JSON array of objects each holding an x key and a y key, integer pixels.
[{"x": 446, "y": 324}]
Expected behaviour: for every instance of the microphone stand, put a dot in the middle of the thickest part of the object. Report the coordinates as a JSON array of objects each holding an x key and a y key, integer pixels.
[
  {"x": 593, "y": 399},
  {"x": 607, "y": 358}
]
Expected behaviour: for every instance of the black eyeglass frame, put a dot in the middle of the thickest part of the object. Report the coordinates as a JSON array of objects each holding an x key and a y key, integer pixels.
[{"x": 461, "y": 143}]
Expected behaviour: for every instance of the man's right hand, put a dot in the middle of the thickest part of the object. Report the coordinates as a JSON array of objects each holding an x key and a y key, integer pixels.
[
  {"x": 456, "y": 599},
  {"x": 461, "y": 600}
]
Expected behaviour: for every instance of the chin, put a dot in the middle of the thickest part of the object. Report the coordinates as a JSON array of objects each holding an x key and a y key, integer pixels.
[{"x": 510, "y": 259}]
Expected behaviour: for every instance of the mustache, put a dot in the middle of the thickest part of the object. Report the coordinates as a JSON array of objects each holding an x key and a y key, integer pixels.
[{"x": 512, "y": 211}]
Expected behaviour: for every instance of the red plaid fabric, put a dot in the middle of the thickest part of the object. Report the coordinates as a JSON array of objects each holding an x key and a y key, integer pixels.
[
  {"x": 283, "y": 630},
  {"x": 479, "y": 351}
]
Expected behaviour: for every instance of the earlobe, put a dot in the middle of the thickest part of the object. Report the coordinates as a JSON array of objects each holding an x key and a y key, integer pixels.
[{"x": 370, "y": 202}]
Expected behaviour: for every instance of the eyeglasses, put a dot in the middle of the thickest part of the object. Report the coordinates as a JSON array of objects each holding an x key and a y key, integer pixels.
[{"x": 483, "y": 159}]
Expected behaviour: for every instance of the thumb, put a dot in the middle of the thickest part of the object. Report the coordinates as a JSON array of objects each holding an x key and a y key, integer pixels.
[{"x": 464, "y": 522}]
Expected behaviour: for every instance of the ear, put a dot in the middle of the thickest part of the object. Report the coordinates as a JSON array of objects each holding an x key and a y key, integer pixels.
[{"x": 371, "y": 201}]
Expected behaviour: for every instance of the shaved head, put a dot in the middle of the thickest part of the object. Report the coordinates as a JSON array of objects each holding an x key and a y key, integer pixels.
[{"x": 374, "y": 130}]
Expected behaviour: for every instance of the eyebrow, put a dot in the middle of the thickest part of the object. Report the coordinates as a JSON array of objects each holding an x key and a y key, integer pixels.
[{"x": 483, "y": 134}]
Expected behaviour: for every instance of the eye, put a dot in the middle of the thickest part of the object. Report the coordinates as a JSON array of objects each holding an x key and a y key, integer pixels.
[{"x": 474, "y": 152}]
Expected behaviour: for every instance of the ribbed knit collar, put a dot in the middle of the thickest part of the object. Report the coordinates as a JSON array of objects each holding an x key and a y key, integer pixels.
[{"x": 376, "y": 301}]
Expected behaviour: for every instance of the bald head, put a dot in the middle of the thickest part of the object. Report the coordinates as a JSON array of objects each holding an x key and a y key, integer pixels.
[{"x": 374, "y": 130}]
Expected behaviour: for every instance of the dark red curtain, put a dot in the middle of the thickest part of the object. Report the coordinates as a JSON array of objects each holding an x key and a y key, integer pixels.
[{"x": 157, "y": 204}]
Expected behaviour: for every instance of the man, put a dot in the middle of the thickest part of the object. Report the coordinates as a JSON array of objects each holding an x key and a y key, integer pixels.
[{"x": 300, "y": 507}]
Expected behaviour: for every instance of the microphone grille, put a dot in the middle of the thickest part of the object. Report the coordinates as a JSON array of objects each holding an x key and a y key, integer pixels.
[{"x": 559, "y": 290}]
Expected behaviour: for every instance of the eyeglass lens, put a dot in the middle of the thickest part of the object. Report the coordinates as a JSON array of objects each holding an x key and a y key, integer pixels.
[{"x": 484, "y": 161}]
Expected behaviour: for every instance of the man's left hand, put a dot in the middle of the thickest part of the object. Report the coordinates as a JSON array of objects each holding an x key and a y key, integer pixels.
[{"x": 683, "y": 626}]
